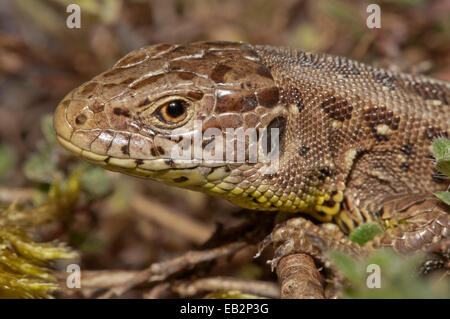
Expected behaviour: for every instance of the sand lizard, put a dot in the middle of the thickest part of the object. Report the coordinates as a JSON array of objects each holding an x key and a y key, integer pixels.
[{"x": 354, "y": 140}]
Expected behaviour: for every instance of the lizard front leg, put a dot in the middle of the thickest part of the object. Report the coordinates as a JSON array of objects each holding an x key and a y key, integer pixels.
[{"x": 412, "y": 222}]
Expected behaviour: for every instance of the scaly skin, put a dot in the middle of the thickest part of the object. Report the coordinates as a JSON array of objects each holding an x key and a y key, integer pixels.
[{"x": 354, "y": 140}]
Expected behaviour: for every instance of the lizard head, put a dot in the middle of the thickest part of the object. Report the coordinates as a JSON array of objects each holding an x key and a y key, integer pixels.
[{"x": 173, "y": 113}]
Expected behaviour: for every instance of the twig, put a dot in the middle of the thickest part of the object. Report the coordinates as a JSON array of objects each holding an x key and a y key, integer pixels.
[
  {"x": 166, "y": 217},
  {"x": 254, "y": 287},
  {"x": 160, "y": 271},
  {"x": 299, "y": 278}
]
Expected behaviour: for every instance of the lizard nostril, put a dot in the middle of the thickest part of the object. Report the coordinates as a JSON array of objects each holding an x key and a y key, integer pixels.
[{"x": 80, "y": 119}]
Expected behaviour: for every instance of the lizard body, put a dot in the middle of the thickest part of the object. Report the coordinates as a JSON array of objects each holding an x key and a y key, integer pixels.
[{"x": 354, "y": 140}]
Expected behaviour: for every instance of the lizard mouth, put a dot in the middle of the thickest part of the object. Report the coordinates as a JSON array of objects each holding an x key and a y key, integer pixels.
[{"x": 183, "y": 173}]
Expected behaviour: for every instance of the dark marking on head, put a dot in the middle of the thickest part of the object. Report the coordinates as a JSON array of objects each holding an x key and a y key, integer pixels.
[
  {"x": 161, "y": 150},
  {"x": 125, "y": 149},
  {"x": 218, "y": 73},
  {"x": 304, "y": 150},
  {"x": 144, "y": 103},
  {"x": 229, "y": 103},
  {"x": 169, "y": 162},
  {"x": 138, "y": 161},
  {"x": 146, "y": 81},
  {"x": 185, "y": 75},
  {"x": 128, "y": 81},
  {"x": 196, "y": 95},
  {"x": 337, "y": 108},
  {"x": 264, "y": 72},
  {"x": 80, "y": 119},
  {"x": 133, "y": 58},
  {"x": 248, "y": 103},
  {"x": 112, "y": 72},
  {"x": 106, "y": 160},
  {"x": 268, "y": 97},
  {"x": 153, "y": 152},
  {"x": 121, "y": 112},
  {"x": 163, "y": 47},
  {"x": 180, "y": 179},
  {"x": 97, "y": 107},
  {"x": 407, "y": 149},
  {"x": 89, "y": 88}
]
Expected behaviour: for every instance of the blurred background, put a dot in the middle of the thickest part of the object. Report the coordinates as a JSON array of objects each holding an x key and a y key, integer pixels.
[{"x": 41, "y": 60}]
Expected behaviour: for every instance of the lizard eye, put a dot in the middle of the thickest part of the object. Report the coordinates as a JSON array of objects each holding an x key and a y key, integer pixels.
[{"x": 172, "y": 112}]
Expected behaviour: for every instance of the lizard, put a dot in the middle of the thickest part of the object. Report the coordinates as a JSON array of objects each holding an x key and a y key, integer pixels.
[{"x": 353, "y": 141}]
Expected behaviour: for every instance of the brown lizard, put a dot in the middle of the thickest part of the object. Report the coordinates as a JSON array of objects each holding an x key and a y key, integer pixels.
[{"x": 354, "y": 141}]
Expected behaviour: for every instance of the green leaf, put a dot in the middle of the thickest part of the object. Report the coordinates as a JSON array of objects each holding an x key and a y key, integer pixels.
[
  {"x": 444, "y": 196},
  {"x": 96, "y": 182},
  {"x": 47, "y": 128},
  {"x": 365, "y": 232},
  {"x": 39, "y": 168},
  {"x": 443, "y": 165},
  {"x": 441, "y": 149}
]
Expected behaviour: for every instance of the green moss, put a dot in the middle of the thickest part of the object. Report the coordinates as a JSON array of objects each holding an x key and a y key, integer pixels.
[{"x": 24, "y": 263}]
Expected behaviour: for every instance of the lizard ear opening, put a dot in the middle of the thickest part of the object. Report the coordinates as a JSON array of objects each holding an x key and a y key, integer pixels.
[{"x": 277, "y": 123}]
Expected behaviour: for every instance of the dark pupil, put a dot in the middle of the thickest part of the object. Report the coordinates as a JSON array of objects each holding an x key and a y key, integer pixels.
[{"x": 175, "y": 108}]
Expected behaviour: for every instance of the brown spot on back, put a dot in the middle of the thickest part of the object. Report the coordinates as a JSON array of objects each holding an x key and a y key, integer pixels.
[
  {"x": 429, "y": 91},
  {"x": 146, "y": 81},
  {"x": 268, "y": 97},
  {"x": 218, "y": 74},
  {"x": 304, "y": 150},
  {"x": 139, "y": 161},
  {"x": 153, "y": 151},
  {"x": 376, "y": 116},
  {"x": 431, "y": 133},
  {"x": 337, "y": 108},
  {"x": 383, "y": 78},
  {"x": 407, "y": 149}
]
